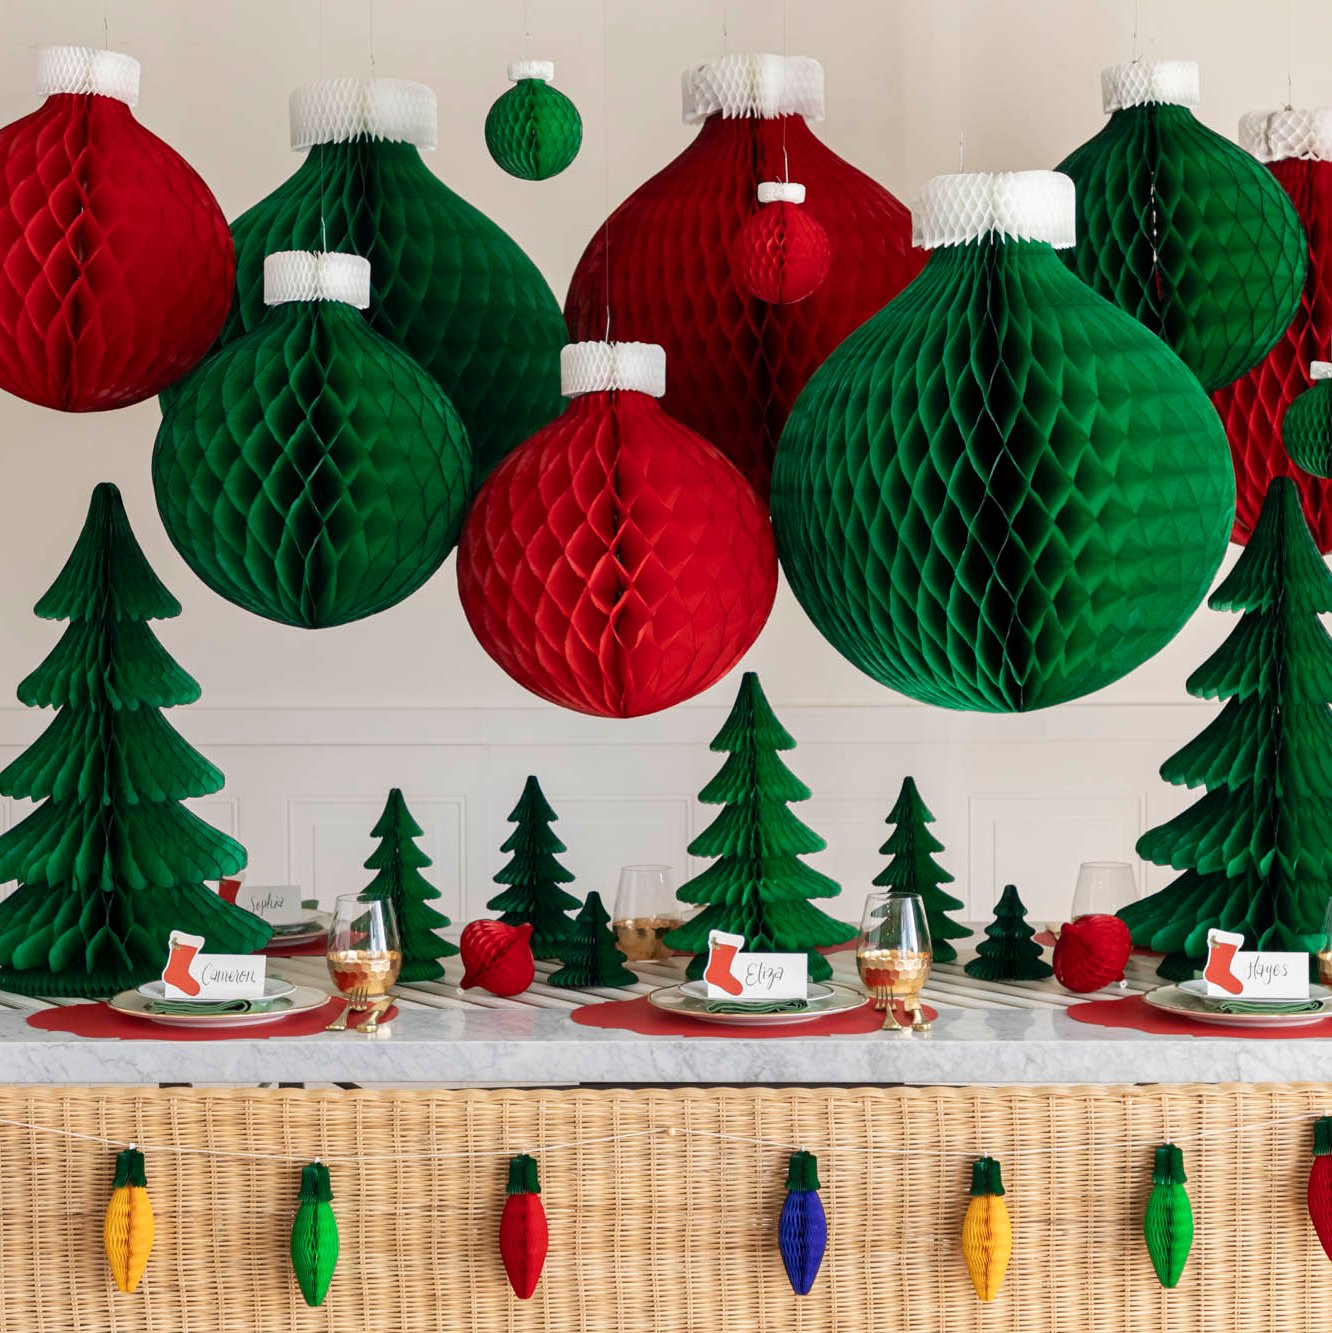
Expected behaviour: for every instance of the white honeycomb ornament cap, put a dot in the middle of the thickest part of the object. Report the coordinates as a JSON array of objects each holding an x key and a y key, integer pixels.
[
  {"x": 593, "y": 367},
  {"x": 339, "y": 110},
  {"x": 316, "y": 275},
  {"x": 84, "y": 69},
  {"x": 1320, "y": 370},
  {"x": 1275, "y": 136},
  {"x": 760, "y": 85},
  {"x": 781, "y": 192},
  {"x": 532, "y": 69},
  {"x": 1140, "y": 83},
  {"x": 1016, "y": 205}
]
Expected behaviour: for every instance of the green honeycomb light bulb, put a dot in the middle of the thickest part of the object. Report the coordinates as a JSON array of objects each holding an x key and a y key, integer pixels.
[
  {"x": 310, "y": 471},
  {"x": 533, "y": 131},
  {"x": 1306, "y": 429},
  {"x": 1001, "y": 492},
  {"x": 1182, "y": 228}
]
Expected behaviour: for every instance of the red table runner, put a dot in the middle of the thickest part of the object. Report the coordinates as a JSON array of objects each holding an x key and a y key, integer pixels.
[
  {"x": 637, "y": 1015},
  {"x": 1135, "y": 1013},
  {"x": 100, "y": 1020}
]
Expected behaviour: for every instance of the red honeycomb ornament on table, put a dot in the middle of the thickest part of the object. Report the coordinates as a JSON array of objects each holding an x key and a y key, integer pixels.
[
  {"x": 496, "y": 957},
  {"x": 738, "y": 363},
  {"x": 116, "y": 263},
  {"x": 781, "y": 254},
  {"x": 1297, "y": 147},
  {"x": 1091, "y": 951},
  {"x": 616, "y": 563}
]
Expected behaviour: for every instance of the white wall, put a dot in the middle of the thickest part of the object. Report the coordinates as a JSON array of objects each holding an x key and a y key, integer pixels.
[{"x": 311, "y": 728}]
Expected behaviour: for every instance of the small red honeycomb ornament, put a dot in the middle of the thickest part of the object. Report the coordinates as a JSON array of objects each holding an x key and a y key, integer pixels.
[
  {"x": 496, "y": 957},
  {"x": 781, "y": 254}
]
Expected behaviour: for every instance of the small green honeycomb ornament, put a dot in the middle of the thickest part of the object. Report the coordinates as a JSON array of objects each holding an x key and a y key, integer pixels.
[
  {"x": 533, "y": 131},
  {"x": 1306, "y": 429}
]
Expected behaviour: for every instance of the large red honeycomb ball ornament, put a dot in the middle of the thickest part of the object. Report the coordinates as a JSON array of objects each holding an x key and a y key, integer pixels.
[
  {"x": 781, "y": 254},
  {"x": 1091, "y": 951},
  {"x": 1297, "y": 147},
  {"x": 115, "y": 261},
  {"x": 738, "y": 362},
  {"x": 497, "y": 957},
  {"x": 616, "y": 563}
]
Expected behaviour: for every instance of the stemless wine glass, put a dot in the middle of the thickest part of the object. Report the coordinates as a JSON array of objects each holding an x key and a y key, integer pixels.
[
  {"x": 1104, "y": 887},
  {"x": 364, "y": 949},
  {"x": 645, "y": 909},
  {"x": 894, "y": 956},
  {"x": 1325, "y": 952}
]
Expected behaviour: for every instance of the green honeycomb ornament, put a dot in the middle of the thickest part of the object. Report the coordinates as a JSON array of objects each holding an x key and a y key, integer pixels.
[
  {"x": 1000, "y": 493},
  {"x": 1306, "y": 429},
  {"x": 1182, "y": 228},
  {"x": 448, "y": 286},
  {"x": 310, "y": 471},
  {"x": 533, "y": 131}
]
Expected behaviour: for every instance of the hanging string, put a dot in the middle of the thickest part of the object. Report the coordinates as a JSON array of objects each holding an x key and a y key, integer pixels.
[
  {"x": 371, "y": 9},
  {"x": 527, "y": 29},
  {"x": 606, "y": 157},
  {"x": 786, "y": 165},
  {"x": 1290, "y": 54},
  {"x": 106, "y": 25},
  {"x": 725, "y": 29},
  {"x": 1137, "y": 15},
  {"x": 1129, "y": 1145},
  {"x": 323, "y": 224}
]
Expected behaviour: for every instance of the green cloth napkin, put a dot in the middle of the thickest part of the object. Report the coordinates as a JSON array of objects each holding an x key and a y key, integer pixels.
[
  {"x": 756, "y": 1006},
  {"x": 217, "y": 1006},
  {"x": 1257, "y": 1007}
]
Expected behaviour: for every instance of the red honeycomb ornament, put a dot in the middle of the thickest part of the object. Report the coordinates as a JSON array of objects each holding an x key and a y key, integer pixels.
[
  {"x": 616, "y": 563},
  {"x": 116, "y": 263},
  {"x": 781, "y": 254},
  {"x": 496, "y": 957},
  {"x": 1091, "y": 951},
  {"x": 738, "y": 363},
  {"x": 1297, "y": 147}
]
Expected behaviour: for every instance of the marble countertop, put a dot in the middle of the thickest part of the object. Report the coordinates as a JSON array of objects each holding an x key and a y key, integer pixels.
[{"x": 984, "y": 1034}]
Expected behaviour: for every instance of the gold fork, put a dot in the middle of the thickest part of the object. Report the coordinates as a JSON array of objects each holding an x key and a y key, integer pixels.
[{"x": 357, "y": 999}]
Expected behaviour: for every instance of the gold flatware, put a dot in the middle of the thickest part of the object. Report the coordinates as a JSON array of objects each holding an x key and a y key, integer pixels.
[
  {"x": 357, "y": 998},
  {"x": 370, "y": 1024}
]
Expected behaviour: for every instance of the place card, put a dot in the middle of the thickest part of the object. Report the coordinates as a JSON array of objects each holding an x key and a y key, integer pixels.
[
  {"x": 732, "y": 974},
  {"x": 1253, "y": 973},
  {"x": 278, "y": 904},
  {"x": 191, "y": 974}
]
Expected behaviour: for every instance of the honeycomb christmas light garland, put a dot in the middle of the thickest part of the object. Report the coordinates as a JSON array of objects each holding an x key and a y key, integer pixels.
[
  {"x": 662, "y": 262},
  {"x": 533, "y": 131},
  {"x": 310, "y": 471},
  {"x": 1000, "y": 493},
  {"x": 1296, "y": 146},
  {"x": 448, "y": 285},
  {"x": 117, "y": 264},
  {"x": 616, "y": 563},
  {"x": 1182, "y": 229}
]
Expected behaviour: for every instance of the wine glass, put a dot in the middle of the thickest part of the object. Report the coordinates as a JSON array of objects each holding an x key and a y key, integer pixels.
[
  {"x": 1103, "y": 887},
  {"x": 364, "y": 950},
  {"x": 1324, "y": 955},
  {"x": 645, "y": 909},
  {"x": 894, "y": 956}
]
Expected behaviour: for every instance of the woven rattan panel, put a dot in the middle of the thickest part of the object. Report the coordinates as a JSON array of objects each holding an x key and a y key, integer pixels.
[{"x": 665, "y": 1232}]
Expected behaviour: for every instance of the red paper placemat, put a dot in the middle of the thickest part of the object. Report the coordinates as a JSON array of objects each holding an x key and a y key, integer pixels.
[
  {"x": 99, "y": 1020},
  {"x": 637, "y": 1015},
  {"x": 1134, "y": 1012},
  {"x": 312, "y": 949}
]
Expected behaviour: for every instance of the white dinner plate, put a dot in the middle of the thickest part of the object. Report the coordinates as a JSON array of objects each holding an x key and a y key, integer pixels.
[
  {"x": 817, "y": 994},
  {"x": 274, "y": 989},
  {"x": 673, "y": 1000},
  {"x": 1198, "y": 987},
  {"x": 1174, "y": 1000},
  {"x": 301, "y": 1000}
]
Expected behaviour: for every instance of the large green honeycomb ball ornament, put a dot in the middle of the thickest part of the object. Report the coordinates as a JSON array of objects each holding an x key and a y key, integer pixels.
[
  {"x": 310, "y": 471},
  {"x": 1306, "y": 429},
  {"x": 1183, "y": 229},
  {"x": 533, "y": 131},
  {"x": 1001, "y": 492},
  {"x": 448, "y": 286}
]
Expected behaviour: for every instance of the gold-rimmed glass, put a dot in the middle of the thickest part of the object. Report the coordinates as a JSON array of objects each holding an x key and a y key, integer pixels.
[
  {"x": 894, "y": 956},
  {"x": 364, "y": 949},
  {"x": 645, "y": 909}
]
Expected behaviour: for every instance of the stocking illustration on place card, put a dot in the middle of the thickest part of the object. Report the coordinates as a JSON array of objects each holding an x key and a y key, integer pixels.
[
  {"x": 191, "y": 974},
  {"x": 733, "y": 974},
  {"x": 1257, "y": 973}
]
